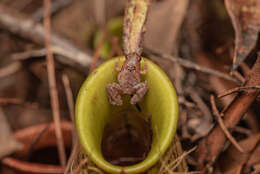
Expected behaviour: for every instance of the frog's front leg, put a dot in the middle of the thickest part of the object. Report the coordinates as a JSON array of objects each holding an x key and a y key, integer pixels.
[
  {"x": 140, "y": 91},
  {"x": 114, "y": 90}
]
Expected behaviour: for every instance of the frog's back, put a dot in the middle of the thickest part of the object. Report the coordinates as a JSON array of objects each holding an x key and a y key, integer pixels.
[{"x": 127, "y": 80}]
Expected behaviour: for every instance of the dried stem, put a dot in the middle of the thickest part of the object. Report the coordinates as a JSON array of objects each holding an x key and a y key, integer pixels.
[
  {"x": 222, "y": 124},
  {"x": 4, "y": 101},
  {"x": 191, "y": 65},
  {"x": 73, "y": 156},
  {"x": 70, "y": 101},
  {"x": 81, "y": 164},
  {"x": 28, "y": 54},
  {"x": 52, "y": 84},
  {"x": 237, "y": 75},
  {"x": 238, "y": 89},
  {"x": 21, "y": 25},
  {"x": 134, "y": 20},
  {"x": 69, "y": 95},
  {"x": 10, "y": 69},
  {"x": 115, "y": 50},
  {"x": 97, "y": 52},
  {"x": 56, "y": 6},
  {"x": 95, "y": 169}
]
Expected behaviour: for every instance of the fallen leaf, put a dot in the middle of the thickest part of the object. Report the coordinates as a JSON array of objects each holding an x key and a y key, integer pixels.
[
  {"x": 163, "y": 25},
  {"x": 8, "y": 143},
  {"x": 232, "y": 160},
  {"x": 245, "y": 16}
]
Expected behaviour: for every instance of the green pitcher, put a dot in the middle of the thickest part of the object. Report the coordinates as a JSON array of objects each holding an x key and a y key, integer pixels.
[{"x": 94, "y": 113}]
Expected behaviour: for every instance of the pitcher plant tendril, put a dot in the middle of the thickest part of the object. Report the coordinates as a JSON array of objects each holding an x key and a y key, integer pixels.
[{"x": 129, "y": 81}]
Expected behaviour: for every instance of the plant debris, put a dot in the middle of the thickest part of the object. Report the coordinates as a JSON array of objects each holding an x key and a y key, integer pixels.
[{"x": 207, "y": 48}]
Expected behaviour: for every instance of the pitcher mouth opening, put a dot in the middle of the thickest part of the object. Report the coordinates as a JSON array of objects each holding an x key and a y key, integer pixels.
[
  {"x": 103, "y": 128},
  {"x": 127, "y": 137}
]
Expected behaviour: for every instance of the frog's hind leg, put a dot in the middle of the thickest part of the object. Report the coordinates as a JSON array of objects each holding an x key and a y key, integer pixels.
[
  {"x": 140, "y": 91},
  {"x": 114, "y": 91}
]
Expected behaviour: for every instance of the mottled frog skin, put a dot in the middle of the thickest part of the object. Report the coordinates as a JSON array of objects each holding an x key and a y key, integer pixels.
[{"x": 129, "y": 82}]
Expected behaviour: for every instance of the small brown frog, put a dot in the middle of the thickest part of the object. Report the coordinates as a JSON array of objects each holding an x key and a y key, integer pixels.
[{"x": 129, "y": 81}]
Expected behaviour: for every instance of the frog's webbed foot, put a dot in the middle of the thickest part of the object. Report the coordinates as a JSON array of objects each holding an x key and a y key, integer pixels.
[
  {"x": 114, "y": 91},
  {"x": 140, "y": 91}
]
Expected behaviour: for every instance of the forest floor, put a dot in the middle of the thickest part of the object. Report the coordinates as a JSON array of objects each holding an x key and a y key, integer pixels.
[{"x": 210, "y": 49}]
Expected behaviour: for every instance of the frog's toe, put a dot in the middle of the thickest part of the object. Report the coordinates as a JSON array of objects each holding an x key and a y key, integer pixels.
[
  {"x": 116, "y": 101},
  {"x": 141, "y": 90},
  {"x": 134, "y": 100}
]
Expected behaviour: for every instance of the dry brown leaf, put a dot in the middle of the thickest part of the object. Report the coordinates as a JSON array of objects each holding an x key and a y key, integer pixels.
[
  {"x": 255, "y": 158},
  {"x": 245, "y": 16},
  {"x": 164, "y": 21},
  {"x": 8, "y": 143},
  {"x": 232, "y": 160}
]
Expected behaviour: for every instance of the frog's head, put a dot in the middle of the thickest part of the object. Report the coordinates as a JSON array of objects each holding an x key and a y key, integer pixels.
[{"x": 132, "y": 63}]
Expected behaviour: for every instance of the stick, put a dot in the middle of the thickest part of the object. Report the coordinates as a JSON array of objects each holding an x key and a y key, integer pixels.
[
  {"x": 222, "y": 124},
  {"x": 191, "y": 65},
  {"x": 81, "y": 164},
  {"x": 28, "y": 54},
  {"x": 56, "y": 6},
  {"x": 52, "y": 84},
  {"x": 19, "y": 24},
  {"x": 76, "y": 144},
  {"x": 97, "y": 51},
  {"x": 10, "y": 69},
  {"x": 238, "y": 89},
  {"x": 10, "y": 101}
]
